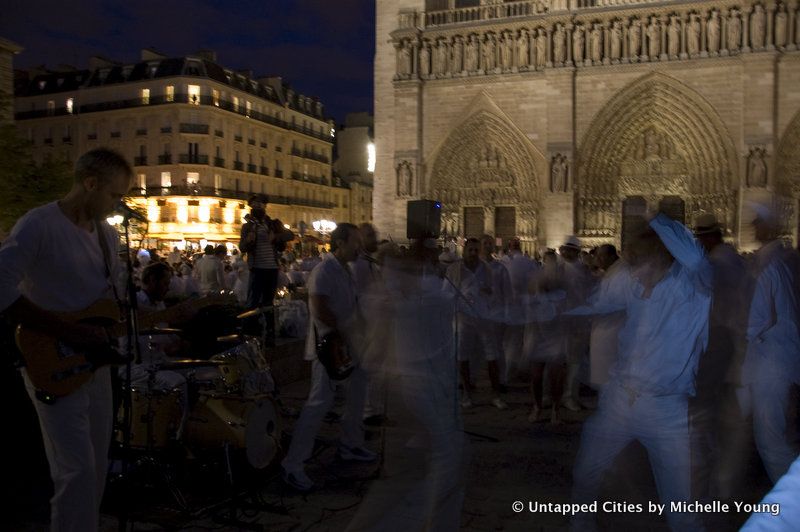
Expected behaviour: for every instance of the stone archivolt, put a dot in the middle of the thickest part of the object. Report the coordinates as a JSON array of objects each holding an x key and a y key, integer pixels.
[
  {"x": 655, "y": 138},
  {"x": 788, "y": 161},
  {"x": 486, "y": 162},
  {"x": 629, "y": 34}
]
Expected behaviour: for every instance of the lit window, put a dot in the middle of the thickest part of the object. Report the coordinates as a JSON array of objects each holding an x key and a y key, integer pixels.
[
  {"x": 153, "y": 212},
  {"x": 169, "y": 93},
  {"x": 51, "y": 107},
  {"x": 217, "y": 181},
  {"x": 166, "y": 179},
  {"x": 192, "y": 178},
  {"x": 247, "y": 108},
  {"x": 145, "y": 96},
  {"x": 333, "y": 132},
  {"x": 194, "y": 94},
  {"x": 370, "y": 157},
  {"x": 235, "y": 103},
  {"x": 183, "y": 213},
  {"x": 142, "y": 178},
  {"x": 70, "y": 103},
  {"x": 204, "y": 213},
  {"x": 215, "y": 96}
]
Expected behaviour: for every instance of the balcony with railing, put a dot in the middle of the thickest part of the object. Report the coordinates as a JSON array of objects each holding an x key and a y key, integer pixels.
[
  {"x": 278, "y": 173},
  {"x": 263, "y": 170},
  {"x": 219, "y": 133},
  {"x": 140, "y": 132},
  {"x": 198, "y": 129},
  {"x": 251, "y": 168},
  {"x": 219, "y": 162},
  {"x": 238, "y": 165},
  {"x": 165, "y": 158},
  {"x": 140, "y": 160},
  {"x": 461, "y": 15},
  {"x": 192, "y": 158}
]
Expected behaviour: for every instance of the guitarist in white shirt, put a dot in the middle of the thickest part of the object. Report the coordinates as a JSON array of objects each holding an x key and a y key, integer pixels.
[{"x": 54, "y": 262}]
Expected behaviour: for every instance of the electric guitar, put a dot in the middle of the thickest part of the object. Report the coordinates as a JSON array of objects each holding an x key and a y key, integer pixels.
[{"x": 56, "y": 369}]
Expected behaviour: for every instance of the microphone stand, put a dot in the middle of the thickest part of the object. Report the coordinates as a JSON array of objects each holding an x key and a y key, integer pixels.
[{"x": 132, "y": 349}]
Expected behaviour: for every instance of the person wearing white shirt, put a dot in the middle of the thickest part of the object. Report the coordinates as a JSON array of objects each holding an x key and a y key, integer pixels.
[
  {"x": 667, "y": 300},
  {"x": 62, "y": 257},
  {"x": 210, "y": 270},
  {"x": 521, "y": 269},
  {"x": 333, "y": 307},
  {"x": 772, "y": 360},
  {"x": 500, "y": 298},
  {"x": 471, "y": 280}
]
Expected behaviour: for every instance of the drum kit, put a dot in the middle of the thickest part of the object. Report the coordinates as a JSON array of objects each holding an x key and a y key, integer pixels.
[{"x": 230, "y": 404}]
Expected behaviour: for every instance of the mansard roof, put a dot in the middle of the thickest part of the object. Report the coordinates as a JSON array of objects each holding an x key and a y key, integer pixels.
[{"x": 271, "y": 89}]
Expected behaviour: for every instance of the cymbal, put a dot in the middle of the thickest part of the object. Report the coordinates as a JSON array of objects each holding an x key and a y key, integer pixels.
[
  {"x": 229, "y": 338},
  {"x": 254, "y": 312},
  {"x": 160, "y": 330},
  {"x": 190, "y": 363}
]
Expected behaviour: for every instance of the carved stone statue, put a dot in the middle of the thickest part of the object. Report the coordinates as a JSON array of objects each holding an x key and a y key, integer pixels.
[
  {"x": 615, "y": 36},
  {"x": 404, "y": 179},
  {"x": 472, "y": 53},
  {"x": 734, "y": 30},
  {"x": 577, "y": 44},
  {"x": 652, "y": 145},
  {"x": 506, "y": 51},
  {"x": 444, "y": 54},
  {"x": 780, "y": 26},
  {"x": 693, "y": 35},
  {"x": 634, "y": 34},
  {"x": 522, "y": 49},
  {"x": 457, "y": 62},
  {"x": 489, "y": 53},
  {"x": 558, "y": 173},
  {"x": 756, "y": 168},
  {"x": 596, "y": 41},
  {"x": 654, "y": 38},
  {"x": 404, "y": 60},
  {"x": 541, "y": 48},
  {"x": 674, "y": 37},
  {"x": 713, "y": 32},
  {"x": 559, "y": 44},
  {"x": 425, "y": 59},
  {"x": 757, "y": 21}
]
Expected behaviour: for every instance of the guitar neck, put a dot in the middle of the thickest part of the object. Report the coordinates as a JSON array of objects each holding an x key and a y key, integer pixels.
[{"x": 151, "y": 319}]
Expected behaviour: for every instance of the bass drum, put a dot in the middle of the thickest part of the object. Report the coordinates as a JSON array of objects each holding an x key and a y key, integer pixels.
[
  {"x": 155, "y": 416},
  {"x": 249, "y": 423},
  {"x": 236, "y": 365}
]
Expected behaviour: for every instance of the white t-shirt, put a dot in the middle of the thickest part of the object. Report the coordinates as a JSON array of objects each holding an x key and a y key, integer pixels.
[
  {"x": 333, "y": 280},
  {"x": 54, "y": 263},
  {"x": 211, "y": 275}
]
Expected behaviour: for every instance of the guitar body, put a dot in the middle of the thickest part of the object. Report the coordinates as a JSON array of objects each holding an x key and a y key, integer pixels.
[{"x": 55, "y": 368}]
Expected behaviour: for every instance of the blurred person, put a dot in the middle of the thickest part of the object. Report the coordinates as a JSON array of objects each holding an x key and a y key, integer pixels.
[
  {"x": 520, "y": 270},
  {"x": 211, "y": 271},
  {"x": 771, "y": 369},
  {"x": 499, "y": 300},
  {"x": 667, "y": 301}
]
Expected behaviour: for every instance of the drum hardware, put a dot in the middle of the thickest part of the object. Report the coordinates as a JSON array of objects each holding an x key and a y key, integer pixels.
[
  {"x": 188, "y": 364},
  {"x": 160, "y": 330},
  {"x": 253, "y": 312}
]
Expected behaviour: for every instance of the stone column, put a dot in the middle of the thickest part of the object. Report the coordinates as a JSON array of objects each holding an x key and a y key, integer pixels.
[
  {"x": 548, "y": 49},
  {"x": 703, "y": 36},
  {"x": 606, "y": 44},
  {"x": 569, "y": 27},
  {"x": 723, "y": 33},
  {"x": 488, "y": 220},
  {"x": 746, "y": 28},
  {"x": 625, "y": 50},
  {"x": 683, "y": 54},
  {"x": 770, "y": 44},
  {"x": 587, "y": 61},
  {"x": 790, "y": 25},
  {"x": 644, "y": 44},
  {"x": 664, "y": 56},
  {"x": 415, "y": 60}
]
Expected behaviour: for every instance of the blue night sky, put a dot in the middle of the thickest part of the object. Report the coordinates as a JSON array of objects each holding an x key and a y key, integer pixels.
[{"x": 322, "y": 48}]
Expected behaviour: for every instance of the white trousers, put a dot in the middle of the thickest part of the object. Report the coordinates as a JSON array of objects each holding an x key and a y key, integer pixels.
[
  {"x": 76, "y": 430},
  {"x": 319, "y": 402}
]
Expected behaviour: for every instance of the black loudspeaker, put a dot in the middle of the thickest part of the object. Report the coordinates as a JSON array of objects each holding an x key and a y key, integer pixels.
[{"x": 424, "y": 218}]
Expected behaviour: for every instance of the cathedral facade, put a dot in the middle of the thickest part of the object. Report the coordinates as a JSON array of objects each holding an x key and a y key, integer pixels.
[{"x": 541, "y": 119}]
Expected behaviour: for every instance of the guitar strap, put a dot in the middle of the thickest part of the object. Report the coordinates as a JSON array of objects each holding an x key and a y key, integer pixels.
[{"x": 107, "y": 262}]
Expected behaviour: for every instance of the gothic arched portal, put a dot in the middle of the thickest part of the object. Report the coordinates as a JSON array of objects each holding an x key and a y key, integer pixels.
[
  {"x": 787, "y": 173},
  {"x": 485, "y": 174},
  {"x": 656, "y": 138}
]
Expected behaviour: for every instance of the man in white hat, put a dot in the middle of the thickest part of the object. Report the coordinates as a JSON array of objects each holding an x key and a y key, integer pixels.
[
  {"x": 772, "y": 361},
  {"x": 720, "y": 435}
]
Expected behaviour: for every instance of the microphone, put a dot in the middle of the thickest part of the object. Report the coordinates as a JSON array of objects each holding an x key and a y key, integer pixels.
[{"x": 122, "y": 208}]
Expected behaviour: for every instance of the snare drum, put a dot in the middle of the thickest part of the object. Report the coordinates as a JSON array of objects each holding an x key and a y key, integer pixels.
[
  {"x": 155, "y": 417},
  {"x": 249, "y": 423}
]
